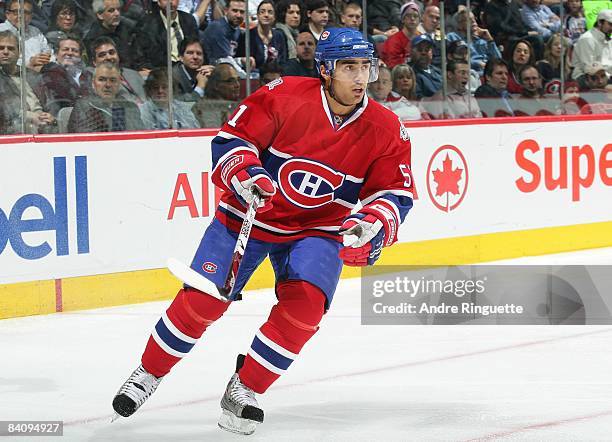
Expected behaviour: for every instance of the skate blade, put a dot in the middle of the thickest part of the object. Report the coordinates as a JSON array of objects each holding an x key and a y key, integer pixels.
[
  {"x": 235, "y": 424},
  {"x": 115, "y": 417}
]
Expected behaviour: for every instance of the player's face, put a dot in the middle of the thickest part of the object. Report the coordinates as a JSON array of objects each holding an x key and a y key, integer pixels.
[{"x": 350, "y": 80}]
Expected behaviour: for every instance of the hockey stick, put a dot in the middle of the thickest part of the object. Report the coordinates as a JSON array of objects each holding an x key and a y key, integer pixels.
[{"x": 197, "y": 281}]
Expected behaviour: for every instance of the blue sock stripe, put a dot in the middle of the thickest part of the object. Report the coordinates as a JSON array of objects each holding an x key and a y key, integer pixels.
[
  {"x": 171, "y": 340},
  {"x": 270, "y": 355}
]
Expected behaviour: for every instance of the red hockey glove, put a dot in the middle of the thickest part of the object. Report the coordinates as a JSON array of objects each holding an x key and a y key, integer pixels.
[
  {"x": 370, "y": 239},
  {"x": 243, "y": 176}
]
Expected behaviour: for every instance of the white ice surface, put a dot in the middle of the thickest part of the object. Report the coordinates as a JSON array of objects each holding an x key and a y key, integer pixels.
[{"x": 351, "y": 382}]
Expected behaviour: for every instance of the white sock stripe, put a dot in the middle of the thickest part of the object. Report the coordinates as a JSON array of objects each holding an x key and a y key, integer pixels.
[
  {"x": 266, "y": 364},
  {"x": 276, "y": 347},
  {"x": 165, "y": 346},
  {"x": 175, "y": 331}
]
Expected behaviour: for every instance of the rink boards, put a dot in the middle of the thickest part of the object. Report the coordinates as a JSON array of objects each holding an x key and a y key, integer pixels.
[{"x": 89, "y": 220}]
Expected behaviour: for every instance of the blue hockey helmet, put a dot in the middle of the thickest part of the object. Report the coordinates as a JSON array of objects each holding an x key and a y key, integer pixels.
[{"x": 344, "y": 43}]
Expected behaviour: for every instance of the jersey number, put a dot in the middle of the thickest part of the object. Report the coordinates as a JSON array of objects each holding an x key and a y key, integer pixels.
[{"x": 234, "y": 120}]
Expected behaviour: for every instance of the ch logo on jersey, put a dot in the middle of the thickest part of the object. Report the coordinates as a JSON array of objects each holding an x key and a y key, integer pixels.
[
  {"x": 308, "y": 184},
  {"x": 209, "y": 267},
  {"x": 324, "y": 35}
]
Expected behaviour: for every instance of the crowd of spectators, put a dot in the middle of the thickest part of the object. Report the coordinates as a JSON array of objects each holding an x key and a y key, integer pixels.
[{"x": 112, "y": 65}]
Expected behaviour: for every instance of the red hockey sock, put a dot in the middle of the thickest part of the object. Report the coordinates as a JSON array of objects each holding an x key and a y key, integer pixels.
[
  {"x": 179, "y": 328},
  {"x": 292, "y": 322}
]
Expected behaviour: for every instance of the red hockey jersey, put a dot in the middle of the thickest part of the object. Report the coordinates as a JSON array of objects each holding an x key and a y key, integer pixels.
[{"x": 321, "y": 170}]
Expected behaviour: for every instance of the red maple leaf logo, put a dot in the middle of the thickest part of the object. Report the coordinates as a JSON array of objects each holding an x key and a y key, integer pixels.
[{"x": 447, "y": 179}]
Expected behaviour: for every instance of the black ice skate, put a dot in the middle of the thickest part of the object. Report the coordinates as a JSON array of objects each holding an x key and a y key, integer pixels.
[
  {"x": 135, "y": 391},
  {"x": 240, "y": 411}
]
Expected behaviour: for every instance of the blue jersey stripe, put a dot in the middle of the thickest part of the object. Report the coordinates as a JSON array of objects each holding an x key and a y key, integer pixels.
[
  {"x": 403, "y": 203},
  {"x": 171, "y": 340},
  {"x": 221, "y": 146},
  {"x": 270, "y": 355}
]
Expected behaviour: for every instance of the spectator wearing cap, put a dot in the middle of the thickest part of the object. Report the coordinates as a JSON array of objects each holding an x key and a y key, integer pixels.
[
  {"x": 458, "y": 51},
  {"x": 396, "y": 50},
  {"x": 457, "y": 102},
  {"x": 317, "y": 16},
  {"x": 493, "y": 96},
  {"x": 383, "y": 18},
  {"x": 483, "y": 46},
  {"x": 430, "y": 26},
  {"x": 428, "y": 76},
  {"x": 596, "y": 93},
  {"x": 539, "y": 17},
  {"x": 593, "y": 46}
]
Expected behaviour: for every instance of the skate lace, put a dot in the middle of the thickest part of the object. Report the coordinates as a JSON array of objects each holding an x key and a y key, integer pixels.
[
  {"x": 242, "y": 395},
  {"x": 140, "y": 385}
]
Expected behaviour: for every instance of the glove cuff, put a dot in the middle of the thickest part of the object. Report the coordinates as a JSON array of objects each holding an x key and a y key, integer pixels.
[
  {"x": 384, "y": 212},
  {"x": 235, "y": 163}
]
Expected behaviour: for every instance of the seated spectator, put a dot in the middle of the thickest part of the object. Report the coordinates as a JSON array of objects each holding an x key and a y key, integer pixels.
[
  {"x": 317, "y": 16},
  {"x": 430, "y": 26},
  {"x": 37, "y": 50},
  {"x": 493, "y": 97},
  {"x": 571, "y": 101},
  {"x": 457, "y": 102},
  {"x": 63, "y": 21},
  {"x": 538, "y": 17},
  {"x": 66, "y": 80},
  {"x": 203, "y": 11},
  {"x": 111, "y": 24},
  {"x": 381, "y": 91},
  {"x": 594, "y": 46},
  {"x": 36, "y": 120},
  {"x": 269, "y": 72},
  {"x": 351, "y": 16},
  {"x": 531, "y": 101},
  {"x": 597, "y": 94},
  {"x": 458, "y": 51},
  {"x": 575, "y": 23},
  {"x": 221, "y": 97},
  {"x": 303, "y": 65},
  {"x": 503, "y": 19},
  {"x": 220, "y": 38},
  {"x": 404, "y": 82},
  {"x": 289, "y": 20},
  {"x": 191, "y": 74},
  {"x": 550, "y": 66},
  {"x": 150, "y": 47},
  {"x": 104, "y": 110},
  {"x": 154, "y": 111},
  {"x": 483, "y": 46},
  {"x": 396, "y": 49},
  {"x": 267, "y": 43},
  {"x": 131, "y": 84},
  {"x": 519, "y": 55},
  {"x": 383, "y": 18},
  {"x": 428, "y": 77}
]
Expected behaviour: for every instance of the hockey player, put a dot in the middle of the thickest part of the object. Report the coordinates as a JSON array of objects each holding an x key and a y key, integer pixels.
[{"x": 312, "y": 149}]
